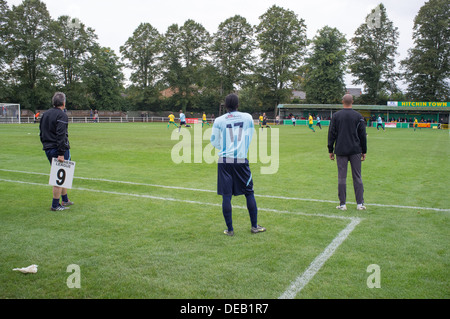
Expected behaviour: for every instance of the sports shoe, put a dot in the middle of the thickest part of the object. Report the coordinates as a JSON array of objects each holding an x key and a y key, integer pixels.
[
  {"x": 360, "y": 207},
  {"x": 69, "y": 203},
  {"x": 58, "y": 208},
  {"x": 342, "y": 207},
  {"x": 228, "y": 232},
  {"x": 258, "y": 229}
]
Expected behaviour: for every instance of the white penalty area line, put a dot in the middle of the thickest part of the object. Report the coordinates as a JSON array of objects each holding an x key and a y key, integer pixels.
[
  {"x": 301, "y": 281},
  {"x": 298, "y": 284},
  {"x": 256, "y": 195}
]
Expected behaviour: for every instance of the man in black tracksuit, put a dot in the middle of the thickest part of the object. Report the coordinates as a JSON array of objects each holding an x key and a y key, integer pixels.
[
  {"x": 55, "y": 141},
  {"x": 347, "y": 138}
]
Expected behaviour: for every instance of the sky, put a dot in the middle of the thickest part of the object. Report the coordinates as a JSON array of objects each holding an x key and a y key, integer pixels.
[{"x": 115, "y": 20}]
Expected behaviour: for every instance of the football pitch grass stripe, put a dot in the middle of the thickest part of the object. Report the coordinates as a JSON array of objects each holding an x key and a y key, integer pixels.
[
  {"x": 301, "y": 280},
  {"x": 256, "y": 195}
]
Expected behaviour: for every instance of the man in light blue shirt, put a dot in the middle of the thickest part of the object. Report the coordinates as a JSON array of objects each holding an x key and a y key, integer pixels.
[
  {"x": 232, "y": 134},
  {"x": 380, "y": 123},
  {"x": 182, "y": 120}
]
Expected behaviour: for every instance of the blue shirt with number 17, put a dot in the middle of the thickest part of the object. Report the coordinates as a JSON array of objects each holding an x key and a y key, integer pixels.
[{"x": 232, "y": 134}]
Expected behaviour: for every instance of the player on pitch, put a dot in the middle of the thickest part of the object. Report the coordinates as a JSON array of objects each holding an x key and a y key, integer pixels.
[
  {"x": 182, "y": 121},
  {"x": 231, "y": 135},
  {"x": 311, "y": 122},
  {"x": 204, "y": 121},
  {"x": 55, "y": 141},
  {"x": 171, "y": 120}
]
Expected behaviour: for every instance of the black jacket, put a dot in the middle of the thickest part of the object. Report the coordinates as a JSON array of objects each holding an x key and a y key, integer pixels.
[
  {"x": 54, "y": 130},
  {"x": 348, "y": 130}
]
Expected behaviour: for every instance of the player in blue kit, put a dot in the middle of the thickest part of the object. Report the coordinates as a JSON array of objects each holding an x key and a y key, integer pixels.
[
  {"x": 182, "y": 120},
  {"x": 231, "y": 135}
]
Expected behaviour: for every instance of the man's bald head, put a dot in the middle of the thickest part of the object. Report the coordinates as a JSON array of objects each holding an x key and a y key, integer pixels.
[{"x": 347, "y": 100}]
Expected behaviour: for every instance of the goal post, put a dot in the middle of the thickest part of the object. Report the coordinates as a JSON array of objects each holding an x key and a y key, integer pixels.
[{"x": 9, "y": 113}]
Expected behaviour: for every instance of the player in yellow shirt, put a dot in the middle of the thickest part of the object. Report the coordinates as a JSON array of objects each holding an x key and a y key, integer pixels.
[
  {"x": 204, "y": 121},
  {"x": 416, "y": 124},
  {"x": 264, "y": 121},
  {"x": 260, "y": 121},
  {"x": 171, "y": 120},
  {"x": 310, "y": 122}
]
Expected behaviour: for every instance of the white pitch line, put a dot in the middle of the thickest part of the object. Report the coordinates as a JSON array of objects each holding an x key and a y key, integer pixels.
[
  {"x": 256, "y": 195},
  {"x": 302, "y": 280},
  {"x": 118, "y": 182},
  {"x": 180, "y": 200}
]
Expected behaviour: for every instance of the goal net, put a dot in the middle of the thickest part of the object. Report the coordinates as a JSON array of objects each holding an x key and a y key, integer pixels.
[{"x": 9, "y": 113}]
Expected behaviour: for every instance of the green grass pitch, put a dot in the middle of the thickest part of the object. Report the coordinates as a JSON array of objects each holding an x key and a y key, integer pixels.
[{"x": 138, "y": 228}]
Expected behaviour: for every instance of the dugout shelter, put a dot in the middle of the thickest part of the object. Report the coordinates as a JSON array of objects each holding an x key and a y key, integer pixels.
[{"x": 396, "y": 114}]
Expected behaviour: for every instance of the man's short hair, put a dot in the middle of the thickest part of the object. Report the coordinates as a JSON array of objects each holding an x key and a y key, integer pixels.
[
  {"x": 59, "y": 99},
  {"x": 347, "y": 99},
  {"x": 232, "y": 102}
]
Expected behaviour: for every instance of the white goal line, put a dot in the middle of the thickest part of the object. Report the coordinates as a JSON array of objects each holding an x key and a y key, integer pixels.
[{"x": 256, "y": 195}]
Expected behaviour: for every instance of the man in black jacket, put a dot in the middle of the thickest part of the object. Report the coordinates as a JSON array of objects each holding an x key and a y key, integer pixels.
[
  {"x": 55, "y": 141},
  {"x": 347, "y": 137}
]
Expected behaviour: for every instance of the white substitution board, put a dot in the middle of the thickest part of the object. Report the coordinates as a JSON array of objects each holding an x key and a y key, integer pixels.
[{"x": 61, "y": 173}]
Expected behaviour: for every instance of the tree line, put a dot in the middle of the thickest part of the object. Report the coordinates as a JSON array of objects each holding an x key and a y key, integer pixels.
[{"x": 265, "y": 62}]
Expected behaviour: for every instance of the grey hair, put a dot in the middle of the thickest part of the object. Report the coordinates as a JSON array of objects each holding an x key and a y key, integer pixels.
[{"x": 59, "y": 99}]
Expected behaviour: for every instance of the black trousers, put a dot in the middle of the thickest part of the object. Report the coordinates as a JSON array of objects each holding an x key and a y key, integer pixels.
[{"x": 355, "y": 163}]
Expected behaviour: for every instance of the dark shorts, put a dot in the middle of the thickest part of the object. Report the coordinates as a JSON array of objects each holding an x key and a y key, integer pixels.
[
  {"x": 53, "y": 153},
  {"x": 183, "y": 123},
  {"x": 234, "y": 177}
]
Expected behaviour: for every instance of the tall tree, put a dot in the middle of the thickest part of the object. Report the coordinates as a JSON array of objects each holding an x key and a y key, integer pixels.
[
  {"x": 142, "y": 51},
  {"x": 232, "y": 48},
  {"x": 31, "y": 44},
  {"x": 4, "y": 32},
  {"x": 372, "y": 58},
  {"x": 324, "y": 77},
  {"x": 4, "y": 12},
  {"x": 172, "y": 56},
  {"x": 282, "y": 40},
  {"x": 74, "y": 43},
  {"x": 428, "y": 64},
  {"x": 105, "y": 80},
  {"x": 185, "y": 52}
]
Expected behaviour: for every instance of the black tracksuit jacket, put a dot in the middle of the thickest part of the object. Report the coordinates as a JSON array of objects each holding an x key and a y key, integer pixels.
[
  {"x": 348, "y": 130},
  {"x": 54, "y": 130}
]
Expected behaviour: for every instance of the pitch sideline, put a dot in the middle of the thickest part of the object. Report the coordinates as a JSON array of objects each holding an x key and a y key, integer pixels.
[{"x": 256, "y": 195}]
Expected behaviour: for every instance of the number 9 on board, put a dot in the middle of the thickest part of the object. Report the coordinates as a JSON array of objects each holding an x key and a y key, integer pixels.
[{"x": 61, "y": 173}]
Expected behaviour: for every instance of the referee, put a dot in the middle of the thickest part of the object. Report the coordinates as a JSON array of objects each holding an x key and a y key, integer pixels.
[
  {"x": 347, "y": 138},
  {"x": 231, "y": 135},
  {"x": 55, "y": 141}
]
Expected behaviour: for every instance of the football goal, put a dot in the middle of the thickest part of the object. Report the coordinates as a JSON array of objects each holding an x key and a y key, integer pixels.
[{"x": 9, "y": 113}]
